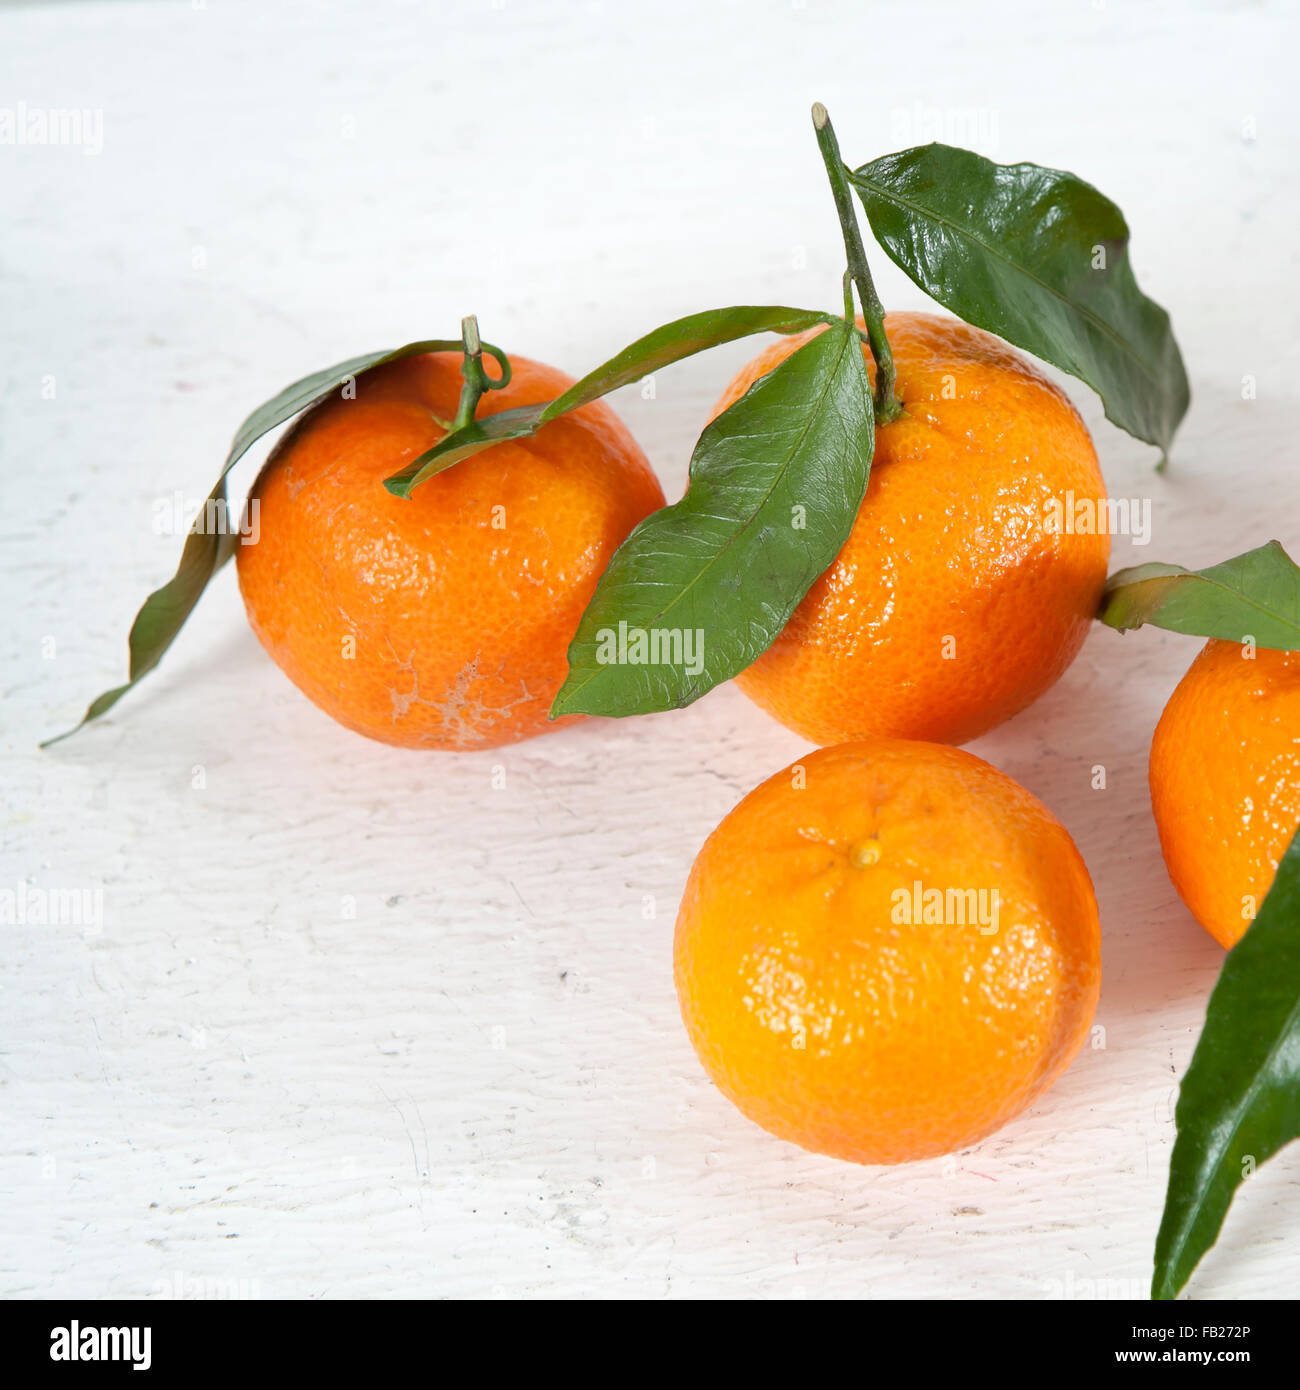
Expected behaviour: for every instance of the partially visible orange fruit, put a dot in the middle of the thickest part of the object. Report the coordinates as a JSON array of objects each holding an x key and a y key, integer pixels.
[
  {"x": 821, "y": 994},
  {"x": 954, "y": 603},
  {"x": 1225, "y": 781},
  {"x": 443, "y": 620}
]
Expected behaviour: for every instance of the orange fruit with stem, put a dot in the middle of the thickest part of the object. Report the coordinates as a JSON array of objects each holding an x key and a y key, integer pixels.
[
  {"x": 1224, "y": 773},
  {"x": 886, "y": 951},
  {"x": 442, "y": 620},
  {"x": 976, "y": 562}
]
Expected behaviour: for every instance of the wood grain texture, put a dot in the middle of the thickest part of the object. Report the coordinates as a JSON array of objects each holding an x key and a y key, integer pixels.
[{"x": 359, "y": 1021}]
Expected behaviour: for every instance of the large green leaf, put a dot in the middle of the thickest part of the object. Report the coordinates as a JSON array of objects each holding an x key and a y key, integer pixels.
[
  {"x": 210, "y": 542},
  {"x": 664, "y": 346},
  {"x": 713, "y": 579},
  {"x": 1255, "y": 596},
  {"x": 1240, "y": 1100},
  {"x": 1040, "y": 258}
]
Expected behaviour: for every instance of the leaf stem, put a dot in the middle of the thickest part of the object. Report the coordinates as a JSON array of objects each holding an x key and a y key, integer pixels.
[
  {"x": 477, "y": 381},
  {"x": 888, "y": 406}
]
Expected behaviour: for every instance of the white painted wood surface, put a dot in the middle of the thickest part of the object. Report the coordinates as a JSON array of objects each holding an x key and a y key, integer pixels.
[{"x": 478, "y": 1084}]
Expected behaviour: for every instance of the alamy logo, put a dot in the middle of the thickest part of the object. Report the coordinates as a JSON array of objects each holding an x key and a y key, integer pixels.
[
  {"x": 945, "y": 907},
  {"x": 40, "y": 125},
  {"x": 1099, "y": 516},
  {"x": 209, "y": 516},
  {"x": 973, "y": 126},
  {"x": 26, "y": 906},
  {"x": 655, "y": 646},
  {"x": 77, "y": 1343},
  {"x": 182, "y": 1286},
  {"x": 1100, "y": 1289}
]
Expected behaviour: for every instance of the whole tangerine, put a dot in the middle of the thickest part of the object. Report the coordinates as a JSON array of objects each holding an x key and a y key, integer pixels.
[
  {"x": 975, "y": 564},
  {"x": 441, "y": 620},
  {"x": 886, "y": 951}
]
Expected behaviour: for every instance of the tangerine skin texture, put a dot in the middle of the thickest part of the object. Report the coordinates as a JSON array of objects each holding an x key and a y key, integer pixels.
[
  {"x": 952, "y": 605},
  {"x": 835, "y": 1026},
  {"x": 1225, "y": 781},
  {"x": 443, "y": 620}
]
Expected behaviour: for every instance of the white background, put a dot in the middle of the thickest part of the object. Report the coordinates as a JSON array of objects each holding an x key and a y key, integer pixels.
[{"x": 479, "y": 1084}]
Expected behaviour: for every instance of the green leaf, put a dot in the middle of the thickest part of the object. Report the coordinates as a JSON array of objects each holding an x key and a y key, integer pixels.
[
  {"x": 1255, "y": 596},
  {"x": 481, "y": 433},
  {"x": 666, "y": 345},
  {"x": 1240, "y": 1100},
  {"x": 1040, "y": 258},
  {"x": 776, "y": 482},
  {"x": 210, "y": 542}
]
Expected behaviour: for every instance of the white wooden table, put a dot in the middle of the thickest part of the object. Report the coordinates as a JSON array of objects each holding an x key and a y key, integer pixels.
[{"x": 355, "y": 1022}]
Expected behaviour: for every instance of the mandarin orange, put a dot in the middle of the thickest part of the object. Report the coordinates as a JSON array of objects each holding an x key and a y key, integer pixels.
[
  {"x": 442, "y": 620},
  {"x": 886, "y": 951},
  {"x": 976, "y": 561},
  {"x": 1225, "y": 781}
]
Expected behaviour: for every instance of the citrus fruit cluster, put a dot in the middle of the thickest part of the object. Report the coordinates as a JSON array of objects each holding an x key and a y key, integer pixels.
[
  {"x": 895, "y": 537},
  {"x": 442, "y": 622}
]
